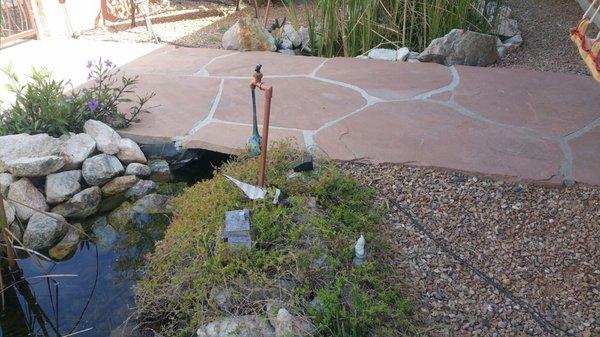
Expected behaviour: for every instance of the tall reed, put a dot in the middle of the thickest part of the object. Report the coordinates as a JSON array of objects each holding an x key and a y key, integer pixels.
[{"x": 353, "y": 27}]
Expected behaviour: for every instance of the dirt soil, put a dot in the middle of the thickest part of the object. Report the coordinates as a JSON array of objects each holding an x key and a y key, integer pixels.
[{"x": 545, "y": 28}]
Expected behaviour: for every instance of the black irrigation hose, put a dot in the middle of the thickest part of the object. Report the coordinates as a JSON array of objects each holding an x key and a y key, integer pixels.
[{"x": 533, "y": 312}]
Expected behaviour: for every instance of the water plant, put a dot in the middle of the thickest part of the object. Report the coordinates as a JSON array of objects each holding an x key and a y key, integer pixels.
[
  {"x": 46, "y": 105},
  {"x": 353, "y": 27}
]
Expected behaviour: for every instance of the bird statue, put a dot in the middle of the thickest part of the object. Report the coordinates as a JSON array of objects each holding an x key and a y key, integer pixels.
[{"x": 253, "y": 143}]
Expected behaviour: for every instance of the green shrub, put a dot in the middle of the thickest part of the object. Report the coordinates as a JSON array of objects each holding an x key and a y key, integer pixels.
[
  {"x": 306, "y": 245},
  {"x": 46, "y": 105},
  {"x": 353, "y": 27}
]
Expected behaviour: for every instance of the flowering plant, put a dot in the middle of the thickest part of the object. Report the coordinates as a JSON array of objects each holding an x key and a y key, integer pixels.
[{"x": 46, "y": 105}]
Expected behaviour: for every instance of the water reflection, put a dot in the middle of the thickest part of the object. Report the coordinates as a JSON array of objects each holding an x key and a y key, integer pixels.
[{"x": 94, "y": 302}]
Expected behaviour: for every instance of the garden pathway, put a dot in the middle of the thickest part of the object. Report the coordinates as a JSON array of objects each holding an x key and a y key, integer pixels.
[{"x": 530, "y": 125}]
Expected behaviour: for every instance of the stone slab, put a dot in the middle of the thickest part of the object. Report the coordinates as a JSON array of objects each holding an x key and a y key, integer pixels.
[
  {"x": 298, "y": 103},
  {"x": 429, "y": 134},
  {"x": 551, "y": 103},
  {"x": 387, "y": 80},
  {"x": 231, "y": 138},
  {"x": 586, "y": 157},
  {"x": 274, "y": 64},
  {"x": 180, "y": 103}
]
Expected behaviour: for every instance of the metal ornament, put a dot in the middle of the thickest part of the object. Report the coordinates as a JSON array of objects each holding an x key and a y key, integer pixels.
[{"x": 254, "y": 142}]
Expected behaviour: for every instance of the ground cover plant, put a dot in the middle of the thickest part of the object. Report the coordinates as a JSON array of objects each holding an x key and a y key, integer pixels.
[
  {"x": 353, "y": 27},
  {"x": 46, "y": 105},
  {"x": 302, "y": 256}
]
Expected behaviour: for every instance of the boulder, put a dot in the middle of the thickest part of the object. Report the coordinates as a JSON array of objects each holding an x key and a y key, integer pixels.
[
  {"x": 508, "y": 27},
  {"x": 304, "y": 37},
  {"x": 112, "y": 202},
  {"x": 5, "y": 180},
  {"x": 462, "y": 47},
  {"x": 9, "y": 211},
  {"x": 288, "y": 325},
  {"x": 27, "y": 146},
  {"x": 383, "y": 54},
  {"x": 119, "y": 185},
  {"x": 82, "y": 204},
  {"x": 160, "y": 170},
  {"x": 44, "y": 231},
  {"x": 248, "y": 34},
  {"x": 121, "y": 216},
  {"x": 68, "y": 244},
  {"x": 26, "y": 193},
  {"x": 61, "y": 186},
  {"x": 130, "y": 152},
  {"x": 35, "y": 167},
  {"x": 137, "y": 169},
  {"x": 77, "y": 149},
  {"x": 238, "y": 326},
  {"x": 101, "y": 168},
  {"x": 140, "y": 189},
  {"x": 290, "y": 38},
  {"x": 153, "y": 204},
  {"x": 107, "y": 139},
  {"x": 402, "y": 54}
]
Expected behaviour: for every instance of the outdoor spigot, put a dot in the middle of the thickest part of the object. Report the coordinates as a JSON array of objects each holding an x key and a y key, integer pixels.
[{"x": 257, "y": 74}]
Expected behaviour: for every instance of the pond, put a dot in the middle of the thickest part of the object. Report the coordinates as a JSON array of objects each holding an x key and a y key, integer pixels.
[{"x": 91, "y": 293}]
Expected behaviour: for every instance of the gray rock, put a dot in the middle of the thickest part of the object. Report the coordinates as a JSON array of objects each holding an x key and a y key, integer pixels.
[
  {"x": 35, "y": 167},
  {"x": 101, "y": 168},
  {"x": 160, "y": 170},
  {"x": 383, "y": 54},
  {"x": 288, "y": 325},
  {"x": 24, "y": 192},
  {"x": 290, "y": 38},
  {"x": 402, "y": 54},
  {"x": 27, "y": 146},
  {"x": 222, "y": 297},
  {"x": 248, "y": 34},
  {"x": 9, "y": 211},
  {"x": 44, "y": 231},
  {"x": 16, "y": 230},
  {"x": 121, "y": 216},
  {"x": 107, "y": 139},
  {"x": 153, "y": 204},
  {"x": 77, "y": 149},
  {"x": 508, "y": 27},
  {"x": 137, "y": 169},
  {"x": 82, "y": 204},
  {"x": 130, "y": 152},
  {"x": 5, "y": 180},
  {"x": 140, "y": 189},
  {"x": 304, "y": 37},
  {"x": 61, "y": 186},
  {"x": 514, "y": 42},
  {"x": 119, "y": 185},
  {"x": 68, "y": 244},
  {"x": 462, "y": 47},
  {"x": 238, "y": 326}
]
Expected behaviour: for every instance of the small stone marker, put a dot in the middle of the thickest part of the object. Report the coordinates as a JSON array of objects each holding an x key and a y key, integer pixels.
[
  {"x": 304, "y": 165},
  {"x": 359, "y": 251},
  {"x": 237, "y": 229}
]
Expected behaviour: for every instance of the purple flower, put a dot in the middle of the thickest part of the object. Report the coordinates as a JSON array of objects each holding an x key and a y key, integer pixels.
[
  {"x": 108, "y": 63},
  {"x": 93, "y": 104},
  {"x": 89, "y": 64}
]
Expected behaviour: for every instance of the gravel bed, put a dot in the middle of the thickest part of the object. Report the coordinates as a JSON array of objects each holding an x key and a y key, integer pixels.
[
  {"x": 508, "y": 259},
  {"x": 545, "y": 28}
]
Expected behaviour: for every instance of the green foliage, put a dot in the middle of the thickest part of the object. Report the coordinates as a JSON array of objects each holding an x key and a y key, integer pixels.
[
  {"x": 353, "y": 27},
  {"x": 306, "y": 245},
  {"x": 46, "y": 105}
]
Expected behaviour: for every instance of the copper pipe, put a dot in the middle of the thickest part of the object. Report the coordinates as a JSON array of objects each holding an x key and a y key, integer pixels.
[
  {"x": 265, "y": 132},
  {"x": 267, "y": 13}
]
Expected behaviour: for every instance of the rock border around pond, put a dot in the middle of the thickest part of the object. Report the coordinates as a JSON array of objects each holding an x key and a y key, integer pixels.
[{"x": 71, "y": 177}]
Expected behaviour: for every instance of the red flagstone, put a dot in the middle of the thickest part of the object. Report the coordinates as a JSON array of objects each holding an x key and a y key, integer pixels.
[
  {"x": 552, "y": 103},
  {"x": 231, "y": 138},
  {"x": 429, "y": 134},
  {"x": 299, "y": 103},
  {"x": 586, "y": 157},
  {"x": 275, "y": 64},
  {"x": 387, "y": 80}
]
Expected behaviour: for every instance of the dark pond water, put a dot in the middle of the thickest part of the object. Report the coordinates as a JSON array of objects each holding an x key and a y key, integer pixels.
[{"x": 92, "y": 292}]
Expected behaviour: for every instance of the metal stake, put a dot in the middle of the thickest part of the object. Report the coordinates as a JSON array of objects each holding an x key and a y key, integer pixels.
[{"x": 257, "y": 83}]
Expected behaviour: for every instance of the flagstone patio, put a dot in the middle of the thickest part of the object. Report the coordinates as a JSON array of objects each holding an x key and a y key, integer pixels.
[{"x": 534, "y": 126}]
